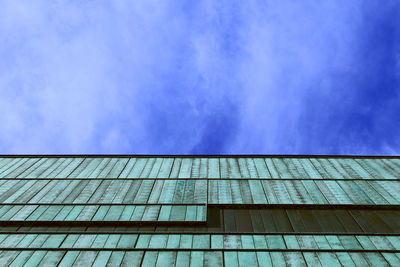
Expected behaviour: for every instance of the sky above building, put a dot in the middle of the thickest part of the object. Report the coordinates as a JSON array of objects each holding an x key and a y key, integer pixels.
[{"x": 200, "y": 77}]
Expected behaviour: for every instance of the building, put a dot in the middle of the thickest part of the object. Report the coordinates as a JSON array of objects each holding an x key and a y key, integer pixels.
[{"x": 199, "y": 210}]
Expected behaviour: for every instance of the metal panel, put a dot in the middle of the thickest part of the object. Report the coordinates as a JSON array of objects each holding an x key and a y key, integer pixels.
[
  {"x": 97, "y": 213},
  {"x": 252, "y": 201},
  {"x": 234, "y": 167}
]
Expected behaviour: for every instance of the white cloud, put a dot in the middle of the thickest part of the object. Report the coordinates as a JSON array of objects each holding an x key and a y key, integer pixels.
[{"x": 167, "y": 77}]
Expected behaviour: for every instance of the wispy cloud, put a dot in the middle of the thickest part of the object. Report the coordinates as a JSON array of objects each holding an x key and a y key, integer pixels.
[{"x": 199, "y": 77}]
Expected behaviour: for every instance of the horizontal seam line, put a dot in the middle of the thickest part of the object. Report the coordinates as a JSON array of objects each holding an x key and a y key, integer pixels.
[
  {"x": 210, "y": 179},
  {"x": 192, "y": 156},
  {"x": 103, "y": 204},
  {"x": 227, "y": 205},
  {"x": 203, "y": 249},
  {"x": 197, "y": 233}
]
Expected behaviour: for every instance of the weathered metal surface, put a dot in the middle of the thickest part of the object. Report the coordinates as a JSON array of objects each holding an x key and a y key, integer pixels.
[
  {"x": 304, "y": 192},
  {"x": 103, "y": 191},
  {"x": 189, "y": 191},
  {"x": 232, "y": 211},
  {"x": 235, "y": 167},
  {"x": 195, "y": 258},
  {"x": 99, "y": 213},
  {"x": 307, "y": 220}
]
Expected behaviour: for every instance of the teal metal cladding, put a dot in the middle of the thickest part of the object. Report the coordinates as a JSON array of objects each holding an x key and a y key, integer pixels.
[{"x": 199, "y": 211}]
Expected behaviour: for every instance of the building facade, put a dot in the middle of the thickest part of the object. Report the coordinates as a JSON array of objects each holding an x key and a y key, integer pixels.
[{"x": 199, "y": 210}]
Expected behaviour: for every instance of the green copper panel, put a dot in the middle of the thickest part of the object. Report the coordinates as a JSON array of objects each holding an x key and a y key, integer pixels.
[
  {"x": 235, "y": 167},
  {"x": 231, "y": 258},
  {"x": 105, "y": 191},
  {"x": 195, "y": 258},
  {"x": 48, "y": 213},
  {"x": 303, "y": 192}
]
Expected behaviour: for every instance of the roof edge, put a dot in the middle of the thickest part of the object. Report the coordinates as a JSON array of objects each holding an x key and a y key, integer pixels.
[{"x": 189, "y": 156}]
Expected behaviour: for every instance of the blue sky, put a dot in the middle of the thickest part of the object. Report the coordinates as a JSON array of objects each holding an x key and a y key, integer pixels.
[{"x": 200, "y": 77}]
